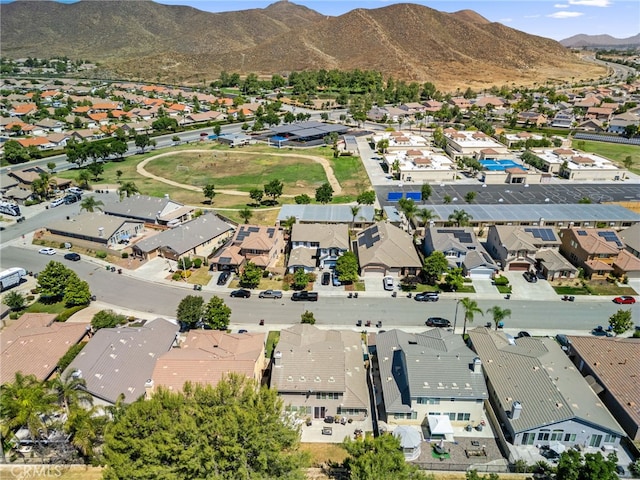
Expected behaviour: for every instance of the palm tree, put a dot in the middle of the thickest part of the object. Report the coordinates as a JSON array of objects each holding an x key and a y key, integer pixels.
[
  {"x": 23, "y": 403},
  {"x": 355, "y": 209},
  {"x": 128, "y": 189},
  {"x": 90, "y": 204},
  {"x": 470, "y": 309},
  {"x": 410, "y": 210},
  {"x": 71, "y": 391},
  {"x": 460, "y": 218},
  {"x": 426, "y": 215},
  {"x": 245, "y": 214},
  {"x": 85, "y": 426},
  {"x": 499, "y": 314},
  {"x": 395, "y": 167}
]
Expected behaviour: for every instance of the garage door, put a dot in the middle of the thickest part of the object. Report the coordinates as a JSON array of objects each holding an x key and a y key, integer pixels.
[
  {"x": 519, "y": 266},
  {"x": 374, "y": 271},
  {"x": 480, "y": 273}
]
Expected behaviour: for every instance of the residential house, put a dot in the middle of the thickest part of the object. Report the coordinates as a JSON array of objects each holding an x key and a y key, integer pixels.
[
  {"x": 255, "y": 243},
  {"x": 591, "y": 125},
  {"x": 317, "y": 245},
  {"x": 529, "y": 249},
  {"x": 626, "y": 265},
  {"x": 327, "y": 214},
  {"x": 320, "y": 372},
  {"x": 23, "y": 109},
  {"x": 386, "y": 250},
  {"x": 532, "y": 118},
  {"x": 34, "y": 343},
  {"x": 429, "y": 374},
  {"x": 96, "y": 229},
  {"x": 610, "y": 367},
  {"x": 207, "y": 356},
  {"x": 421, "y": 165},
  {"x": 631, "y": 239},
  {"x": 539, "y": 396},
  {"x": 198, "y": 237},
  {"x": 462, "y": 249},
  {"x": 563, "y": 119},
  {"x": 120, "y": 361},
  {"x": 574, "y": 165},
  {"x": 153, "y": 210},
  {"x": 592, "y": 249},
  {"x": 467, "y": 143},
  {"x": 620, "y": 123}
]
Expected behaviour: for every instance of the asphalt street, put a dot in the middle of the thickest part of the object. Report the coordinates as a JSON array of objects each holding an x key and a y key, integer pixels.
[{"x": 161, "y": 299}]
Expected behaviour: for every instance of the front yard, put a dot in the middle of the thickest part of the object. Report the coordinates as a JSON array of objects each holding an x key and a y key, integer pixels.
[{"x": 591, "y": 287}]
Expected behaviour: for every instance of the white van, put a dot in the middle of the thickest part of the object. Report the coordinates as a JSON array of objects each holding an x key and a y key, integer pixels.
[{"x": 76, "y": 190}]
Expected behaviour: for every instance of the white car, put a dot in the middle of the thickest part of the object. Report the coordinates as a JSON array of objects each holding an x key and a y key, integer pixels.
[
  {"x": 76, "y": 190},
  {"x": 387, "y": 282},
  {"x": 47, "y": 251},
  {"x": 56, "y": 203}
]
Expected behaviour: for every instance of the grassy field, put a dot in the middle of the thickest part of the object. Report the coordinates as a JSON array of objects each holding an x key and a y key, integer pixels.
[
  {"x": 324, "y": 452},
  {"x": 612, "y": 151}
]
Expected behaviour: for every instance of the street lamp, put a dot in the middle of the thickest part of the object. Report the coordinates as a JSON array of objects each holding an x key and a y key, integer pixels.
[{"x": 455, "y": 316}]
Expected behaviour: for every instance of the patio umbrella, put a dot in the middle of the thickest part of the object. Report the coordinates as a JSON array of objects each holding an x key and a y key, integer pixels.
[{"x": 557, "y": 447}]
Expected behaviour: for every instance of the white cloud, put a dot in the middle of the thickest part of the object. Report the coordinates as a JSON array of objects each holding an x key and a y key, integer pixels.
[
  {"x": 590, "y": 3},
  {"x": 561, "y": 5},
  {"x": 565, "y": 15}
]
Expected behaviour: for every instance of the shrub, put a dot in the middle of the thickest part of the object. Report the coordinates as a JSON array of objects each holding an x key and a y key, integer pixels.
[
  {"x": 197, "y": 262},
  {"x": 64, "y": 315},
  {"x": 177, "y": 275},
  {"x": 30, "y": 298},
  {"x": 68, "y": 357},
  {"x": 501, "y": 281},
  {"x": 185, "y": 263},
  {"x": 102, "y": 255},
  {"x": 107, "y": 319},
  {"x": 13, "y": 315},
  {"x": 125, "y": 255}
]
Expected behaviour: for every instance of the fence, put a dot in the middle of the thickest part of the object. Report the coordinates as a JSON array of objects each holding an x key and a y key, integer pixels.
[{"x": 461, "y": 467}]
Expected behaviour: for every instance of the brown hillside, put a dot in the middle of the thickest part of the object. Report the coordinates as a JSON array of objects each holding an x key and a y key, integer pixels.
[{"x": 144, "y": 40}]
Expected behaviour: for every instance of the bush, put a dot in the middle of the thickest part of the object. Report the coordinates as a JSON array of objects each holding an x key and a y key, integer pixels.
[
  {"x": 177, "y": 275},
  {"x": 14, "y": 315},
  {"x": 197, "y": 262},
  {"x": 185, "y": 263},
  {"x": 64, "y": 315},
  {"x": 107, "y": 319},
  {"x": 102, "y": 255},
  {"x": 501, "y": 281},
  {"x": 68, "y": 357},
  {"x": 125, "y": 255},
  {"x": 30, "y": 298}
]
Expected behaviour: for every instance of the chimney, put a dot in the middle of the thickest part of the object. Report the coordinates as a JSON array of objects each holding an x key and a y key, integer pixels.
[
  {"x": 477, "y": 365},
  {"x": 148, "y": 388},
  {"x": 516, "y": 410},
  {"x": 100, "y": 231}
]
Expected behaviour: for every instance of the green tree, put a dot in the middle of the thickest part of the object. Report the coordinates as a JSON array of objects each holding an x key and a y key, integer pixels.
[
  {"x": 324, "y": 193},
  {"x": 14, "y": 300},
  {"x": 498, "y": 314},
  {"x": 51, "y": 166},
  {"x": 460, "y": 218},
  {"x": 119, "y": 176},
  {"x": 627, "y": 162},
  {"x": 470, "y": 197},
  {"x": 409, "y": 208},
  {"x": 307, "y": 317},
  {"x": 216, "y": 314},
  {"x": 426, "y": 215},
  {"x": 90, "y": 204},
  {"x": 107, "y": 319},
  {"x": 231, "y": 431},
  {"x": 395, "y": 168},
  {"x": 190, "y": 310},
  {"x": 470, "y": 308},
  {"x": 251, "y": 275},
  {"x": 355, "y": 209},
  {"x": 300, "y": 279},
  {"x": 76, "y": 292},
  {"x": 142, "y": 142},
  {"x": 70, "y": 391},
  {"x": 83, "y": 179},
  {"x": 447, "y": 199},
  {"x": 378, "y": 458},
  {"x": 347, "y": 267},
  {"x": 245, "y": 214},
  {"x": 86, "y": 427},
  {"x": 621, "y": 321},
  {"x": 367, "y": 198},
  {"x": 454, "y": 279},
  {"x": 256, "y": 195},
  {"x": 209, "y": 192},
  {"x": 52, "y": 281},
  {"x": 585, "y": 200},
  {"x": 127, "y": 189},
  {"x": 302, "y": 199},
  {"x": 434, "y": 266},
  {"x": 95, "y": 169},
  {"x": 273, "y": 189},
  {"x": 426, "y": 192},
  {"x": 15, "y": 153}
]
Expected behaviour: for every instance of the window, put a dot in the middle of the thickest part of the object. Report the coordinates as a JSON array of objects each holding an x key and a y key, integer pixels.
[
  {"x": 452, "y": 416},
  {"x": 463, "y": 417},
  {"x": 609, "y": 438},
  {"x": 528, "y": 438},
  {"x": 570, "y": 437},
  {"x": 543, "y": 435},
  {"x": 405, "y": 416},
  {"x": 427, "y": 401},
  {"x": 556, "y": 435},
  {"x": 595, "y": 441},
  {"x": 327, "y": 396}
]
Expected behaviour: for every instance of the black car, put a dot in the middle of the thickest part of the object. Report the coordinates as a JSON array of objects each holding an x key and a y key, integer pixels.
[
  {"x": 427, "y": 297},
  {"x": 530, "y": 277},
  {"x": 305, "y": 296},
  {"x": 523, "y": 334},
  {"x": 437, "y": 322},
  {"x": 224, "y": 276},
  {"x": 326, "y": 278},
  {"x": 242, "y": 293},
  {"x": 74, "y": 257}
]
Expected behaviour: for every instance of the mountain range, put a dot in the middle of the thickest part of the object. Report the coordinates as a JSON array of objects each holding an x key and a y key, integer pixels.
[
  {"x": 600, "y": 41},
  {"x": 144, "y": 40}
]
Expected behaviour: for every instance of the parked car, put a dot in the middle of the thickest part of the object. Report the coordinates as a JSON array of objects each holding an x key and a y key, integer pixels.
[
  {"x": 530, "y": 277},
  {"x": 224, "y": 276},
  {"x": 523, "y": 334},
  {"x": 437, "y": 322},
  {"x": 427, "y": 297},
  {"x": 76, "y": 190},
  {"x": 71, "y": 198},
  {"x": 47, "y": 251},
  {"x": 387, "y": 282},
  {"x": 335, "y": 280},
  {"x": 56, "y": 203},
  {"x": 600, "y": 331},
  {"x": 326, "y": 278},
  {"x": 305, "y": 296},
  {"x": 242, "y": 331},
  {"x": 270, "y": 294},
  {"x": 564, "y": 342},
  {"x": 625, "y": 299},
  {"x": 241, "y": 293},
  {"x": 74, "y": 257}
]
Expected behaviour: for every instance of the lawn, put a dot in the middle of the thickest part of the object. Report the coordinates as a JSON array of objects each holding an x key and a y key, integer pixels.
[
  {"x": 614, "y": 151},
  {"x": 272, "y": 340},
  {"x": 39, "y": 307},
  {"x": 324, "y": 452},
  {"x": 568, "y": 290}
]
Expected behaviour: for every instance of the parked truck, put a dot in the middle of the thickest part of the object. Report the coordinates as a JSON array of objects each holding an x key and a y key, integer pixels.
[{"x": 11, "y": 277}]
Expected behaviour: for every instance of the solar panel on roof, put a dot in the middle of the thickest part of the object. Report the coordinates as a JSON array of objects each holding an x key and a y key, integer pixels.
[
  {"x": 254, "y": 229},
  {"x": 270, "y": 232},
  {"x": 582, "y": 233},
  {"x": 610, "y": 237}
]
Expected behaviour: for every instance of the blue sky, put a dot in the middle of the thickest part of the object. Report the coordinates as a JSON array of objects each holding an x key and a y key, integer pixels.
[{"x": 557, "y": 19}]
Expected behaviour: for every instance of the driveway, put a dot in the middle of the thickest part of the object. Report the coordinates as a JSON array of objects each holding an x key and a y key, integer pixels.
[{"x": 523, "y": 290}]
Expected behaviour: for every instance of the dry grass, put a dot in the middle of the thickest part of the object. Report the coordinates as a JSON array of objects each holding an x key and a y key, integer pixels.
[{"x": 324, "y": 452}]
